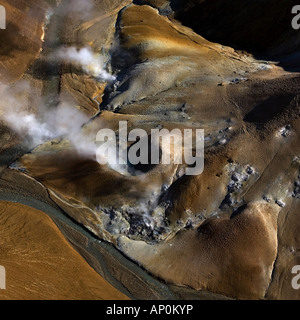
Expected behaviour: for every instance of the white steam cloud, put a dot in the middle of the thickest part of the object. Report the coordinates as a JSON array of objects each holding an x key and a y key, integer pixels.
[
  {"x": 43, "y": 124},
  {"x": 39, "y": 124},
  {"x": 28, "y": 116},
  {"x": 92, "y": 63},
  {"x": 83, "y": 8}
]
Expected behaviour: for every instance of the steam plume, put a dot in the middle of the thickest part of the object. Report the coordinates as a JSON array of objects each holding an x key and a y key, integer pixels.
[
  {"x": 92, "y": 63},
  {"x": 40, "y": 125}
]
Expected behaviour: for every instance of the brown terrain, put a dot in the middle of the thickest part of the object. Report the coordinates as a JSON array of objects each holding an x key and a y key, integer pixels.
[
  {"x": 231, "y": 232},
  {"x": 40, "y": 264}
]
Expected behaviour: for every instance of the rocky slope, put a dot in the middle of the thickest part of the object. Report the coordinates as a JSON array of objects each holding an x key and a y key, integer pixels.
[{"x": 40, "y": 264}]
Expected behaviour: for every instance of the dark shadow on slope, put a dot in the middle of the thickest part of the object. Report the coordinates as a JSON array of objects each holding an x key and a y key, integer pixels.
[
  {"x": 261, "y": 27},
  {"x": 269, "y": 109},
  {"x": 10, "y": 41},
  {"x": 256, "y": 26},
  {"x": 143, "y": 168}
]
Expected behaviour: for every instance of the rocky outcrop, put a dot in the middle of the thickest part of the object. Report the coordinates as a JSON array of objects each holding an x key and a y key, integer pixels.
[
  {"x": 232, "y": 256},
  {"x": 21, "y": 45}
]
